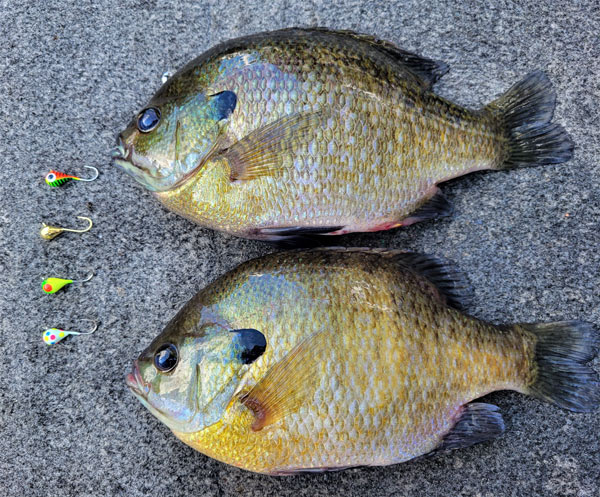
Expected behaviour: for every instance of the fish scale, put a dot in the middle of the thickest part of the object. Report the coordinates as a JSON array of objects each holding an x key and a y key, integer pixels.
[{"x": 365, "y": 363}]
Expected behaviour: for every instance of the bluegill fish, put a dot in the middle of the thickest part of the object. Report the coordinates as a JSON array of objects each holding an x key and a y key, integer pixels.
[
  {"x": 311, "y": 131},
  {"x": 331, "y": 358}
]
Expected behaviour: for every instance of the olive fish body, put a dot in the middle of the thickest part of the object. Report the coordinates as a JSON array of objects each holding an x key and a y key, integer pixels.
[
  {"x": 316, "y": 131},
  {"x": 331, "y": 358}
]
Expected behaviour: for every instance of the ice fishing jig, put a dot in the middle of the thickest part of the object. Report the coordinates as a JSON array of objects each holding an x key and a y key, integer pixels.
[
  {"x": 55, "y": 335},
  {"x": 56, "y": 178},
  {"x": 49, "y": 232},
  {"x": 53, "y": 285}
]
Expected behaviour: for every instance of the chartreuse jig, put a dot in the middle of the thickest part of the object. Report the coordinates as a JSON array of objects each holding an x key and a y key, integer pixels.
[{"x": 53, "y": 285}]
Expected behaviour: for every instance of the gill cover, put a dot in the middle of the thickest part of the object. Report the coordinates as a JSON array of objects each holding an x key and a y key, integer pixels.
[
  {"x": 188, "y": 383},
  {"x": 172, "y": 137}
]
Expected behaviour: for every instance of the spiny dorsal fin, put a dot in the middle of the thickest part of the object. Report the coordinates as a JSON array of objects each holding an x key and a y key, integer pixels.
[
  {"x": 444, "y": 281},
  {"x": 478, "y": 422},
  {"x": 289, "y": 384},
  {"x": 262, "y": 152},
  {"x": 451, "y": 284},
  {"x": 428, "y": 70}
]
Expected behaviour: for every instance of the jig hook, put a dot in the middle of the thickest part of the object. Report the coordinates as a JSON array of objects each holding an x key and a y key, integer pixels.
[
  {"x": 56, "y": 178},
  {"x": 55, "y": 335},
  {"x": 53, "y": 285},
  {"x": 49, "y": 232}
]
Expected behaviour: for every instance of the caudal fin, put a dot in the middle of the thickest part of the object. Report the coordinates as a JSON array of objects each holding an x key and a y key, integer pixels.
[
  {"x": 525, "y": 111},
  {"x": 562, "y": 375}
]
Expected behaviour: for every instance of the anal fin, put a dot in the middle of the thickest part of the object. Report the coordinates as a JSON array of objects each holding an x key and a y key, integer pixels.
[
  {"x": 435, "y": 207},
  {"x": 478, "y": 422}
]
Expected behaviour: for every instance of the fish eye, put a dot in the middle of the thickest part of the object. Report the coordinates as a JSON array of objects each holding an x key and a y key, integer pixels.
[
  {"x": 166, "y": 358},
  {"x": 250, "y": 344},
  {"x": 148, "y": 119}
]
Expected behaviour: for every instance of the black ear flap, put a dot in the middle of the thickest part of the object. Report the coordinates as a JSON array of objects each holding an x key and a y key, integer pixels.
[
  {"x": 223, "y": 104},
  {"x": 249, "y": 344}
]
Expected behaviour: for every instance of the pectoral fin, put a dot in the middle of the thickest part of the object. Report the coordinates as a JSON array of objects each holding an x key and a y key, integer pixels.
[
  {"x": 262, "y": 152},
  {"x": 288, "y": 385}
]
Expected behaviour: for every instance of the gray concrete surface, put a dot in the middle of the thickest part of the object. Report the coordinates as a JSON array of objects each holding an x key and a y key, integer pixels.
[{"x": 71, "y": 76}]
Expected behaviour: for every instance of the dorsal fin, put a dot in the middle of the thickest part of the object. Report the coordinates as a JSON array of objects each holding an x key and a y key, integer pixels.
[
  {"x": 451, "y": 284},
  {"x": 428, "y": 70},
  {"x": 444, "y": 281}
]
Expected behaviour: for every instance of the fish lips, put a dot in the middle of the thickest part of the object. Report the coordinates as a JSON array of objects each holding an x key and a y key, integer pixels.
[
  {"x": 122, "y": 155},
  {"x": 136, "y": 383},
  {"x": 121, "y": 151}
]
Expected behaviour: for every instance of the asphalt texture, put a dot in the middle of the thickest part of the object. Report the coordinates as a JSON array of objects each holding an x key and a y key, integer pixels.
[{"x": 72, "y": 74}]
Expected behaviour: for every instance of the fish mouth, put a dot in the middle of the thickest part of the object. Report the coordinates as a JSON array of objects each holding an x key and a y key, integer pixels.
[
  {"x": 142, "y": 169},
  {"x": 141, "y": 390},
  {"x": 121, "y": 151},
  {"x": 123, "y": 155},
  {"x": 136, "y": 383}
]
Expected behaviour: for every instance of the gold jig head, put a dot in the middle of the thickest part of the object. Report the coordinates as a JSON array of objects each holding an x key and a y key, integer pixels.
[{"x": 50, "y": 232}]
